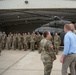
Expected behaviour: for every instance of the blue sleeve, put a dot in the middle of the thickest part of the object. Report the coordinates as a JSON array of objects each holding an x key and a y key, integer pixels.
[{"x": 66, "y": 45}]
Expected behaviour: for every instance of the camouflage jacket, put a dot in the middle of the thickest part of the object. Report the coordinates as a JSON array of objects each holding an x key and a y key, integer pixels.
[
  {"x": 38, "y": 38},
  {"x": 14, "y": 38},
  {"x": 57, "y": 40},
  {"x": 47, "y": 53},
  {"x": 28, "y": 38},
  {"x": 32, "y": 38},
  {"x": 25, "y": 41}
]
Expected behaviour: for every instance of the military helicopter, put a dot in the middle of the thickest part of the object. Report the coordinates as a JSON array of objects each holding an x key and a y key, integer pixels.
[{"x": 56, "y": 25}]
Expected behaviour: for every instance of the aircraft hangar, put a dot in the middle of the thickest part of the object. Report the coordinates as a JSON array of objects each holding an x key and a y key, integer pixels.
[{"x": 27, "y": 15}]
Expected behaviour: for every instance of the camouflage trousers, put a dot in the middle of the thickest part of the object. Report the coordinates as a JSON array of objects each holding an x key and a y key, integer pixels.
[
  {"x": 8, "y": 45},
  {"x": 25, "y": 46},
  {"x": 38, "y": 44},
  {"x": 14, "y": 45},
  {"x": 32, "y": 46},
  {"x": 47, "y": 67},
  {"x": 3, "y": 45},
  {"x": 56, "y": 46},
  {"x": 28, "y": 45},
  {"x": 20, "y": 45}
]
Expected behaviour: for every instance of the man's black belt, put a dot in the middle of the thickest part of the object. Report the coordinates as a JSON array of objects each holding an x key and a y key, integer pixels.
[{"x": 71, "y": 53}]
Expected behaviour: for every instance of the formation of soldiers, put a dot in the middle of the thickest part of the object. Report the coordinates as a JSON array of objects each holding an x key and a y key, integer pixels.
[
  {"x": 20, "y": 41},
  {"x": 25, "y": 41}
]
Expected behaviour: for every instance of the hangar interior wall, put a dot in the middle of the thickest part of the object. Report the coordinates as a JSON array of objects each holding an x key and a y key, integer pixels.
[{"x": 20, "y": 28}]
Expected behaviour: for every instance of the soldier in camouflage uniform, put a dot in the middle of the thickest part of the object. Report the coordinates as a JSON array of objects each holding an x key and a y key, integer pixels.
[
  {"x": 25, "y": 41},
  {"x": 4, "y": 38},
  {"x": 28, "y": 40},
  {"x": 9, "y": 42},
  {"x": 52, "y": 40},
  {"x": 32, "y": 41},
  {"x": 47, "y": 53},
  {"x": 22, "y": 41},
  {"x": 11, "y": 39},
  {"x": 19, "y": 41},
  {"x": 57, "y": 42},
  {"x": 14, "y": 42},
  {"x": 38, "y": 39},
  {"x": 23, "y": 34}
]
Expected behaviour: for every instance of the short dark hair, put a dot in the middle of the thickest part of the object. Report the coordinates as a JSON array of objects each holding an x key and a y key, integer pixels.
[
  {"x": 67, "y": 26},
  {"x": 45, "y": 34}
]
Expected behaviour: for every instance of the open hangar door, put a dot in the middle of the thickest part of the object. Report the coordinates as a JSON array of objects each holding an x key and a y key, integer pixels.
[{"x": 28, "y": 20}]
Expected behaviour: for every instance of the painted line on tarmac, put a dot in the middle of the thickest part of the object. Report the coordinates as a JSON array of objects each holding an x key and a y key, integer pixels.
[{"x": 14, "y": 63}]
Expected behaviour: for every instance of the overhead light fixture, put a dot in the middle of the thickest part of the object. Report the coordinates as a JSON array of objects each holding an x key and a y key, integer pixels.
[{"x": 26, "y": 2}]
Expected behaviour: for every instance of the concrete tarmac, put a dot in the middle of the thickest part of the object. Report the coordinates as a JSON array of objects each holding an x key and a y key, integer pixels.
[{"x": 15, "y": 62}]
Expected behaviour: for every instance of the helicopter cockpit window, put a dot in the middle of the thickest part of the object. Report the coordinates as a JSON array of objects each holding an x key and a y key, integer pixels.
[{"x": 46, "y": 25}]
